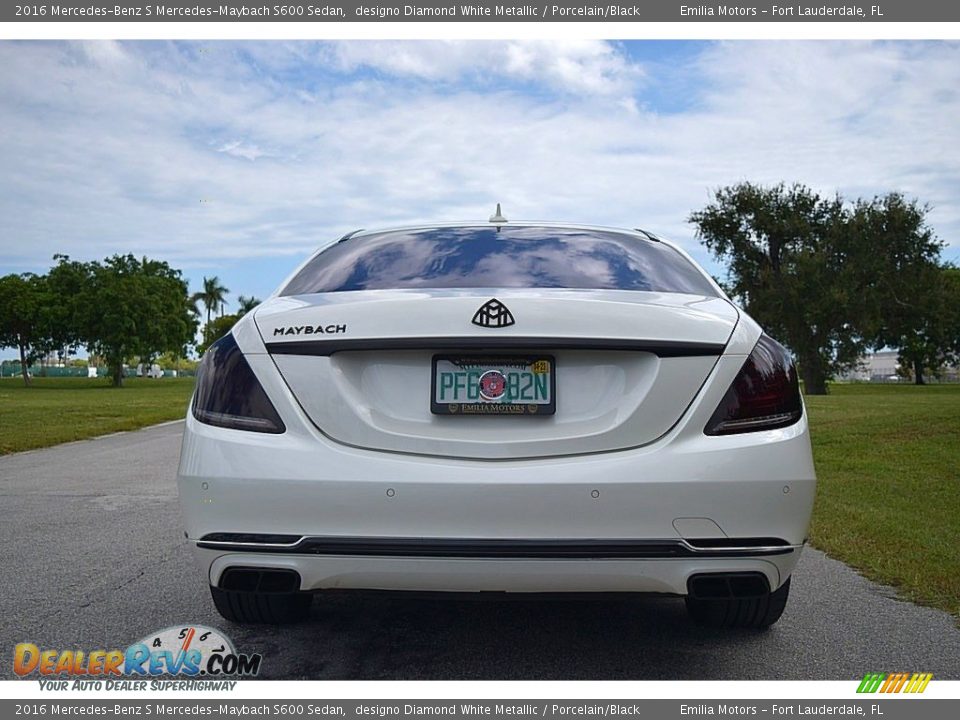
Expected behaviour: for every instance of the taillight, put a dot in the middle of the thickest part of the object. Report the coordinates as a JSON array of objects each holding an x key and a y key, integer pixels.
[
  {"x": 228, "y": 393},
  {"x": 765, "y": 395}
]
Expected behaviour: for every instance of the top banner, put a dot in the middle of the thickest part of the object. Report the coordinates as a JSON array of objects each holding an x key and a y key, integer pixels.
[{"x": 478, "y": 11}]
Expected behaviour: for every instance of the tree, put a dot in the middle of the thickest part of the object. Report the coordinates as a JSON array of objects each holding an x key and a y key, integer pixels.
[
  {"x": 910, "y": 309},
  {"x": 829, "y": 280},
  {"x": 172, "y": 361},
  {"x": 213, "y": 296},
  {"x": 246, "y": 304},
  {"x": 60, "y": 316},
  {"x": 792, "y": 266},
  {"x": 135, "y": 308},
  {"x": 21, "y": 298},
  {"x": 931, "y": 339},
  {"x": 216, "y": 329}
]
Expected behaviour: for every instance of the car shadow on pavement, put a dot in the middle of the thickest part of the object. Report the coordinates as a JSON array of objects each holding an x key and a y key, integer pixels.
[{"x": 374, "y": 636}]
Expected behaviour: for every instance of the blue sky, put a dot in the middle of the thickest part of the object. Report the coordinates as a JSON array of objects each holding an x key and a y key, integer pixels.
[{"x": 238, "y": 159}]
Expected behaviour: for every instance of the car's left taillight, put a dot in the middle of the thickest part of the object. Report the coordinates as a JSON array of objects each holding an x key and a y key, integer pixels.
[
  {"x": 229, "y": 395},
  {"x": 765, "y": 395}
]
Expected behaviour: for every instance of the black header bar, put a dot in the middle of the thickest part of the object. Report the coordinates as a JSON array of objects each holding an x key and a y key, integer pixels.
[{"x": 478, "y": 11}]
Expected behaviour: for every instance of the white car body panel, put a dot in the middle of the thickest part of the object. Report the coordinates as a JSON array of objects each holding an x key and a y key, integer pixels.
[
  {"x": 629, "y": 461},
  {"x": 511, "y": 576},
  {"x": 544, "y": 313},
  {"x": 608, "y": 400}
]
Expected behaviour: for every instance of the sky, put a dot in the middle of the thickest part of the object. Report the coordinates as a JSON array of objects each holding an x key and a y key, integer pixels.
[{"x": 240, "y": 159}]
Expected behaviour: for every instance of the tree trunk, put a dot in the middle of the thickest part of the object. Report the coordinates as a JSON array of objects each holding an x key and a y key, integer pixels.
[
  {"x": 116, "y": 374},
  {"x": 814, "y": 380},
  {"x": 918, "y": 372},
  {"x": 23, "y": 365}
]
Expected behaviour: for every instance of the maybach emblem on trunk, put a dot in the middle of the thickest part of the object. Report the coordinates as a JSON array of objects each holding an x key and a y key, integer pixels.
[
  {"x": 310, "y": 330},
  {"x": 493, "y": 313}
]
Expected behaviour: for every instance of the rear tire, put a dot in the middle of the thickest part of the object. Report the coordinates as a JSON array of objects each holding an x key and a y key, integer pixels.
[
  {"x": 261, "y": 608},
  {"x": 754, "y": 612}
]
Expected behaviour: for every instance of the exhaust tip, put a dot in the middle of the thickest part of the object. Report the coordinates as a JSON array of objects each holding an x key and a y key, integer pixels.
[
  {"x": 261, "y": 580},
  {"x": 720, "y": 586}
]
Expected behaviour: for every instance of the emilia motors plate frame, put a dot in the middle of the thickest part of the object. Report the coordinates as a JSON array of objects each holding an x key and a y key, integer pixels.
[{"x": 496, "y": 363}]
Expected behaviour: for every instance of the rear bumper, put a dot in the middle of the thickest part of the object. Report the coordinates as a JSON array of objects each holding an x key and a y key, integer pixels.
[
  {"x": 498, "y": 575},
  {"x": 640, "y": 520}
]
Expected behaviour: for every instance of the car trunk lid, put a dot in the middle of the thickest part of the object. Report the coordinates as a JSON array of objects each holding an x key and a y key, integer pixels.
[{"x": 626, "y": 364}]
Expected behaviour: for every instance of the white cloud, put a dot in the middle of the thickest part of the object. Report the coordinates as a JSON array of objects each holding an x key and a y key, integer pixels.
[
  {"x": 238, "y": 148},
  {"x": 200, "y": 154},
  {"x": 586, "y": 66},
  {"x": 104, "y": 53}
]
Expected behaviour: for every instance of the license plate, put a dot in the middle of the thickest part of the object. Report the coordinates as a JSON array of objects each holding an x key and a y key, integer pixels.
[{"x": 493, "y": 385}]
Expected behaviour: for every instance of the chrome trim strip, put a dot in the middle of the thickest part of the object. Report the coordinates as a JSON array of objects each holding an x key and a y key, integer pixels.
[
  {"x": 254, "y": 546},
  {"x": 754, "y": 549},
  {"x": 494, "y": 548}
]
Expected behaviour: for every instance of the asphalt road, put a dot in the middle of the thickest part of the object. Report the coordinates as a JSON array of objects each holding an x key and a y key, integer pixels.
[{"x": 94, "y": 557}]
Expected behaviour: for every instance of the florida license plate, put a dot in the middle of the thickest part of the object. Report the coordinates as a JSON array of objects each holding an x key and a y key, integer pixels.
[{"x": 493, "y": 385}]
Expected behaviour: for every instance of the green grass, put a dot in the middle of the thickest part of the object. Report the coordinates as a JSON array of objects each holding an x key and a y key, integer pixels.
[
  {"x": 57, "y": 410},
  {"x": 888, "y": 501}
]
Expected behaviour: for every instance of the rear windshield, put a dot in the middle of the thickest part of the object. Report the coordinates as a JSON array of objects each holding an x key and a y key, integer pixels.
[{"x": 514, "y": 257}]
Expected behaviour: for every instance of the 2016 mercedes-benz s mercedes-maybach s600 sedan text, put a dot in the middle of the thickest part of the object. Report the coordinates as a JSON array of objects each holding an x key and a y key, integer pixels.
[{"x": 516, "y": 408}]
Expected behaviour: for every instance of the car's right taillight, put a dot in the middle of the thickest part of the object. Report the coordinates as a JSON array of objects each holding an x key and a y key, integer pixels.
[
  {"x": 228, "y": 393},
  {"x": 765, "y": 394}
]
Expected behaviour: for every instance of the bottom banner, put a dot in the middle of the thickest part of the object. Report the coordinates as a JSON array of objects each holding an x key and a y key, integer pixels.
[{"x": 886, "y": 708}]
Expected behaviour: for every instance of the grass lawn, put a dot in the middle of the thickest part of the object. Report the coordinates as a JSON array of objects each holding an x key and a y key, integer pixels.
[
  {"x": 888, "y": 502},
  {"x": 57, "y": 410}
]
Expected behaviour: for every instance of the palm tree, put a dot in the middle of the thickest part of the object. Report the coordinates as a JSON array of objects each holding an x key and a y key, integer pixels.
[
  {"x": 213, "y": 296},
  {"x": 192, "y": 306},
  {"x": 246, "y": 304}
]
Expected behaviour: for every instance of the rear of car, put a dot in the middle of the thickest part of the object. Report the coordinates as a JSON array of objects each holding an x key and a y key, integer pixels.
[{"x": 507, "y": 408}]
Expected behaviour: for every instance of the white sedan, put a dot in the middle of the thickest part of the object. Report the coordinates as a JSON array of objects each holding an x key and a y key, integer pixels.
[{"x": 509, "y": 408}]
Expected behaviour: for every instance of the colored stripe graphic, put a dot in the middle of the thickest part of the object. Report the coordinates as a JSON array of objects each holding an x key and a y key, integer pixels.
[
  {"x": 918, "y": 686},
  {"x": 870, "y": 683},
  {"x": 901, "y": 679},
  {"x": 894, "y": 682}
]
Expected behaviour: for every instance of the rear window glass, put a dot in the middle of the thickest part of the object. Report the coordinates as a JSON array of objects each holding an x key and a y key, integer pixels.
[{"x": 514, "y": 257}]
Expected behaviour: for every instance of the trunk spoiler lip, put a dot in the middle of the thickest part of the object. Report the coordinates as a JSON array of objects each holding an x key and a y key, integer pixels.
[{"x": 473, "y": 344}]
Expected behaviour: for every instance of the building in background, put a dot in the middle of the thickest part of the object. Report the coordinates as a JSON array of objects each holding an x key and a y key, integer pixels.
[{"x": 883, "y": 366}]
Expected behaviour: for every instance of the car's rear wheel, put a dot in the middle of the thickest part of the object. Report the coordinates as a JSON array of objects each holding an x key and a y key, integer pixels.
[
  {"x": 261, "y": 608},
  {"x": 757, "y": 612}
]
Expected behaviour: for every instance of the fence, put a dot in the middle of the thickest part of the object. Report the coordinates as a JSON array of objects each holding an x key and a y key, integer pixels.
[{"x": 12, "y": 369}]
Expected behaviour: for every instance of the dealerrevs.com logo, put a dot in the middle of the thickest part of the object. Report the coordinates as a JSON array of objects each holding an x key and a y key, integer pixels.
[{"x": 191, "y": 651}]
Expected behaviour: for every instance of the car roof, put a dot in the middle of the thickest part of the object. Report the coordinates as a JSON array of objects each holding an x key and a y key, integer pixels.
[{"x": 475, "y": 224}]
